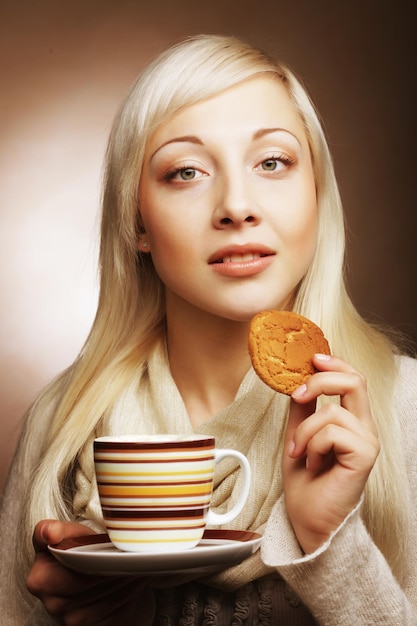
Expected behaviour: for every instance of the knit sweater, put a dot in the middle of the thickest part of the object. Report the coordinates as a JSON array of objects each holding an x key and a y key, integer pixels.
[{"x": 346, "y": 581}]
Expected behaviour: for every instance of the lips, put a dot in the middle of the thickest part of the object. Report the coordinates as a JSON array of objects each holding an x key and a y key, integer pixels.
[
  {"x": 240, "y": 254},
  {"x": 239, "y": 258},
  {"x": 241, "y": 261}
]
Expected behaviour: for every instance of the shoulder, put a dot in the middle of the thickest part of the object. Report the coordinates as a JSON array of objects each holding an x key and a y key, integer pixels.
[
  {"x": 39, "y": 418},
  {"x": 405, "y": 394},
  {"x": 406, "y": 382},
  {"x": 45, "y": 404}
]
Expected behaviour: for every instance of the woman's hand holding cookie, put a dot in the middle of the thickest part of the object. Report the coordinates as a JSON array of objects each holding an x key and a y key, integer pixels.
[{"x": 329, "y": 452}]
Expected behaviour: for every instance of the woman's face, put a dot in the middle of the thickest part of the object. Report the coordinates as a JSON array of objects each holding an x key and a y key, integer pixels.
[{"x": 228, "y": 202}]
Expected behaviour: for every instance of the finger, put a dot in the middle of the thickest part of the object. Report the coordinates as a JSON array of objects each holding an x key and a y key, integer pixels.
[
  {"x": 329, "y": 414},
  {"x": 332, "y": 384},
  {"x": 88, "y": 607},
  {"x": 48, "y": 577},
  {"x": 338, "y": 379},
  {"x": 353, "y": 382},
  {"x": 351, "y": 451},
  {"x": 330, "y": 362},
  {"x": 297, "y": 414},
  {"x": 53, "y": 531},
  {"x": 118, "y": 606}
]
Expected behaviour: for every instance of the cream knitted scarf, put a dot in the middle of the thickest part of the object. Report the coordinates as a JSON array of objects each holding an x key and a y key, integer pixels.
[{"x": 253, "y": 424}]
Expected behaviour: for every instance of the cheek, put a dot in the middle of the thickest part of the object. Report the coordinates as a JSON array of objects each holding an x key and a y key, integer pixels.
[
  {"x": 306, "y": 233},
  {"x": 157, "y": 222},
  {"x": 301, "y": 223},
  {"x": 165, "y": 246},
  {"x": 169, "y": 247}
]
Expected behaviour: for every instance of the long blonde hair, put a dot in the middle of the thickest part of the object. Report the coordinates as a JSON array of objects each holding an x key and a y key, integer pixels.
[{"x": 131, "y": 311}]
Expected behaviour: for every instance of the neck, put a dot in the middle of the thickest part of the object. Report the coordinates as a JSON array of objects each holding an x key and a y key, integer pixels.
[{"x": 208, "y": 359}]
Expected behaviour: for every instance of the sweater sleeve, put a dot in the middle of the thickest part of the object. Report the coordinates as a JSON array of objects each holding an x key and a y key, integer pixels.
[
  {"x": 17, "y": 605},
  {"x": 364, "y": 590},
  {"x": 348, "y": 580}
]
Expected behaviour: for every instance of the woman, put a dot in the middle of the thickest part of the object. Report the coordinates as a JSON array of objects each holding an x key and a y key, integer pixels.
[{"x": 219, "y": 201}]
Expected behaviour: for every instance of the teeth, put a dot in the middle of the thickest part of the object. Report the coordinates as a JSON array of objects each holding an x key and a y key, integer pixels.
[{"x": 239, "y": 258}]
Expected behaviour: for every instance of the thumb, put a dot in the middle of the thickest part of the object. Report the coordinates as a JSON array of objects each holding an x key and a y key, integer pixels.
[
  {"x": 53, "y": 531},
  {"x": 297, "y": 414}
]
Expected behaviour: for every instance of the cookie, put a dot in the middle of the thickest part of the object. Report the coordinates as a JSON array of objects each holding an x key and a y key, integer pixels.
[{"x": 281, "y": 347}]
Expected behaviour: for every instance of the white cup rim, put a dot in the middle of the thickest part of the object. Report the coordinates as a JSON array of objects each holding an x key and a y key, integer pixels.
[{"x": 153, "y": 440}]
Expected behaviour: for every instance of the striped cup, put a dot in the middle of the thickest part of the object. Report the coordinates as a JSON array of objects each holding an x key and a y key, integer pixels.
[{"x": 155, "y": 490}]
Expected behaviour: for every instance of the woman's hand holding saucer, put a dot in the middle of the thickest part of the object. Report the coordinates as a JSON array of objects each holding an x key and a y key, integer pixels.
[{"x": 79, "y": 599}]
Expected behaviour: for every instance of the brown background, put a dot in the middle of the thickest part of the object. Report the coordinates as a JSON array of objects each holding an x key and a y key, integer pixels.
[{"x": 66, "y": 64}]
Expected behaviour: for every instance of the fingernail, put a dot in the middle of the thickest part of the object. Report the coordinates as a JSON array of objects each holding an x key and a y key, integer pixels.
[
  {"x": 322, "y": 357},
  {"x": 300, "y": 391},
  {"x": 291, "y": 448},
  {"x": 46, "y": 528}
]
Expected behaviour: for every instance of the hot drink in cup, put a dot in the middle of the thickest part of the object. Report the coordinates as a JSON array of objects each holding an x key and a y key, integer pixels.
[{"x": 155, "y": 490}]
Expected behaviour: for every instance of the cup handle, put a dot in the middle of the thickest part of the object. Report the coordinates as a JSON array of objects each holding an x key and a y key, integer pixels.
[{"x": 216, "y": 519}]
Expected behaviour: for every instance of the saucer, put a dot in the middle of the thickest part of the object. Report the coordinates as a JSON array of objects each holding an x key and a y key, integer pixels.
[{"x": 95, "y": 554}]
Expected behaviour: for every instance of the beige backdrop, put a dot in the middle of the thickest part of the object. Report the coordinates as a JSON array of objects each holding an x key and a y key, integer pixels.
[{"x": 64, "y": 68}]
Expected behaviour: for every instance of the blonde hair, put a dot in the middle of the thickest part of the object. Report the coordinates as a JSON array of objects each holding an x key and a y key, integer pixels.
[{"x": 131, "y": 311}]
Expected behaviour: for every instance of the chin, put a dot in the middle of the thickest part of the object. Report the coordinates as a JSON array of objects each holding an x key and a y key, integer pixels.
[{"x": 245, "y": 314}]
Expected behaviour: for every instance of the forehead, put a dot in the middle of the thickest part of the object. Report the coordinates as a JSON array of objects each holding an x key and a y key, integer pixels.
[{"x": 259, "y": 102}]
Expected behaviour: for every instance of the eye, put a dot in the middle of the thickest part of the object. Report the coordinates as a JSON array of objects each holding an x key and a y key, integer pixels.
[
  {"x": 275, "y": 163},
  {"x": 269, "y": 165},
  {"x": 185, "y": 174}
]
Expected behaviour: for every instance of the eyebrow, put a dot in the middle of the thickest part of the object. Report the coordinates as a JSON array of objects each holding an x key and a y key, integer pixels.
[
  {"x": 268, "y": 131},
  {"x": 184, "y": 139},
  {"x": 196, "y": 140}
]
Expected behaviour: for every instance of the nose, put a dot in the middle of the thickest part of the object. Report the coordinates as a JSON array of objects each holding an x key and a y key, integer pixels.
[{"x": 234, "y": 207}]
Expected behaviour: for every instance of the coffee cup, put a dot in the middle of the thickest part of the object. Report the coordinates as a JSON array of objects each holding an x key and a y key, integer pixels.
[{"x": 155, "y": 490}]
